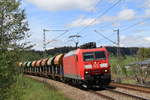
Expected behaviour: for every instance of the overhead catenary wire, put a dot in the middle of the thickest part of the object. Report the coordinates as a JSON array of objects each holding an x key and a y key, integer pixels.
[
  {"x": 101, "y": 15},
  {"x": 104, "y": 37},
  {"x": 54, "y": 39},
  {"x": 123, "y": 30},
  {"x": 65, "y": 31},
  {"x": 61, "y": 34},
  {"x": 135, "y": 24},
  {"x": 99, "y": 2}
]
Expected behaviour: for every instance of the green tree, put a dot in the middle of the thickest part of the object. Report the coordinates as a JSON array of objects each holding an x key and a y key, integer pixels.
[
  {"x": 143, "y": 53},
  {"x": 13, "y": 28},
  {"x": 141, "y": 72}
]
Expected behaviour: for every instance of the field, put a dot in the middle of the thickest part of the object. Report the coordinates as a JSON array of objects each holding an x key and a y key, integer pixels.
[
  {"x": 28, "y": 89},
  {"x": 121, "y": 73}
]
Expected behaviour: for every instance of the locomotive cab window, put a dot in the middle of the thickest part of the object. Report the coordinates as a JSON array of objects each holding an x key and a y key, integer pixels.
[
  {"x": 98, "y": 55},
  {"x": 88, "y": 56}
]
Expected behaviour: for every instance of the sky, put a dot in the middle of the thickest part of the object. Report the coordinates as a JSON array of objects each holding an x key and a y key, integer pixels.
[{"x": 90, "y": 19}]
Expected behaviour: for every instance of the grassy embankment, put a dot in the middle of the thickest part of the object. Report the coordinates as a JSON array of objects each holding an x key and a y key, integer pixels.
[
  {"x": 126, "y": 75},
  {"x": 28, "y": 89}
]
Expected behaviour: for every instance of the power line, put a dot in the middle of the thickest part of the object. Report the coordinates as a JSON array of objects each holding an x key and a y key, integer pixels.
[
  {"x": 125, "y": 29},
  {"x": 65, "y": 31},
  {"x": 104, "y": 36},
  {"x": 99, "y": 1},
  {"x": 131, "y": 26},
  {"x": 102, "y": 14},
  {"x": 54, "y": 39}
]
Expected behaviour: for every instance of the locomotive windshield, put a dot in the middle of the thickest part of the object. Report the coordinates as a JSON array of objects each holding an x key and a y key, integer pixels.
[{"x": 98, "y": 55}]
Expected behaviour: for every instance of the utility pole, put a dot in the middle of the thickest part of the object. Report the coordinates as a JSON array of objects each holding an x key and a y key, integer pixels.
[
  {"x": 118, "y": 42},
  {"x": 75, "y": 40},
  {"x": 118, "y": 56},
  {"x": 44, "y": 39}
]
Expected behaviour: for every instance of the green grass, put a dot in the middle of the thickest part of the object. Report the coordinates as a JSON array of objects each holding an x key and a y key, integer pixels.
[
  {"x": 121, "y": 72},
  {"x": 129, "y": 81},
  {"x": 28, "y": 89}
]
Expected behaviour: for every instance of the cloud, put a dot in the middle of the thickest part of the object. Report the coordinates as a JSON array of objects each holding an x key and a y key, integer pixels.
[
  {"x": 60, "y": 5},
  {"x": 135, "y": 41},
  {"x": 125, "y": 14},
  {"x": 147, "y": 13},
  {"x": 147, "y": 39},
  {"x": 81, "y": 21},
  {"x": 147, "y": 3}
]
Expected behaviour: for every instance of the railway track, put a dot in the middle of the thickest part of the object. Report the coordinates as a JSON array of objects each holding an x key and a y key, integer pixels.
[
  {"x": 126, "y": 95},
  {"x": 131, "y": 87},
  {"x": 106, "y": 93},
  {"x": 110, "y": 94},
  {"x": 101, "y": 95},
  {"x": 90, "y": 93}
]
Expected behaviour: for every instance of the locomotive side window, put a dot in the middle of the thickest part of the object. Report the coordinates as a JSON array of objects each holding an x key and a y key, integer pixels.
[
  {"x": 100, "y": 55},
  {"x": 94, "y": 55}
]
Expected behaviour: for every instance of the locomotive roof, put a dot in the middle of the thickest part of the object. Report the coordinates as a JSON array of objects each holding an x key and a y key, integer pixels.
[
  {"x": 73, "y": 52},
  {"x": 70, "y": 53}
]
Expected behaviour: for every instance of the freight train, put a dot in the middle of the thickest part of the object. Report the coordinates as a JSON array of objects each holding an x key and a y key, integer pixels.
[{"x": 88, "y": 67}]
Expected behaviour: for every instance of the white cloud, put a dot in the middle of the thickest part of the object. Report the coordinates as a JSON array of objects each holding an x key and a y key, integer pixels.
[
  {"x": 147, "y": 4},
  {"x": 57, "y": 5},
  {"x": 147, "y": 13},
  {"x": 147, "y": 39},
  {"x": 135, "y": 41},
  {"x": 125, "y": 14},
  {"x": 83, "y": 22}
]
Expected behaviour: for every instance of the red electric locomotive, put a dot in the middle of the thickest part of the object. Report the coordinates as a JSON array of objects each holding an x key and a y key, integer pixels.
[
  {"x": 87, "y": 66},
  {"x": 82, "y": 66}
]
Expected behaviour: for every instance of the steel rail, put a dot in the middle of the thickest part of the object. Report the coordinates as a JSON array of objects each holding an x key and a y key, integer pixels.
[
  {"x": 44, "y": 80},
  {"x": 131, "y": 87},
  {"x": 101, "y": 95},
  {"x": 126, "y": 94}
]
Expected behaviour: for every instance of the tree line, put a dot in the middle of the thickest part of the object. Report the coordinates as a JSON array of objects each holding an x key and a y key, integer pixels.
[
  {"x": 13, "y": 29},
  {"x": 130, "y": 51}
]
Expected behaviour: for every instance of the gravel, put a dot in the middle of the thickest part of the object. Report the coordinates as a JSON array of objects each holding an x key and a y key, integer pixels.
[
  {"x": 69, "y": 91},
  {"x": 78, "y": 94},
  {"x": 133, "y": 92}
]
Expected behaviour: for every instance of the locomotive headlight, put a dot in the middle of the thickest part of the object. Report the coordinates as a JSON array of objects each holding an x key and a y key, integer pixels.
[
  {"x": 104, "y": 65},
  {"x": 86, "y": 72},
  {"x": 87, "y": 66}
]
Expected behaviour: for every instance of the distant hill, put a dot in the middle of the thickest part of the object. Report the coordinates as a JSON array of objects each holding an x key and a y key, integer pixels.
[
  {"x": 123, "y": 50},
  {"x": 113, "y": 50}
]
